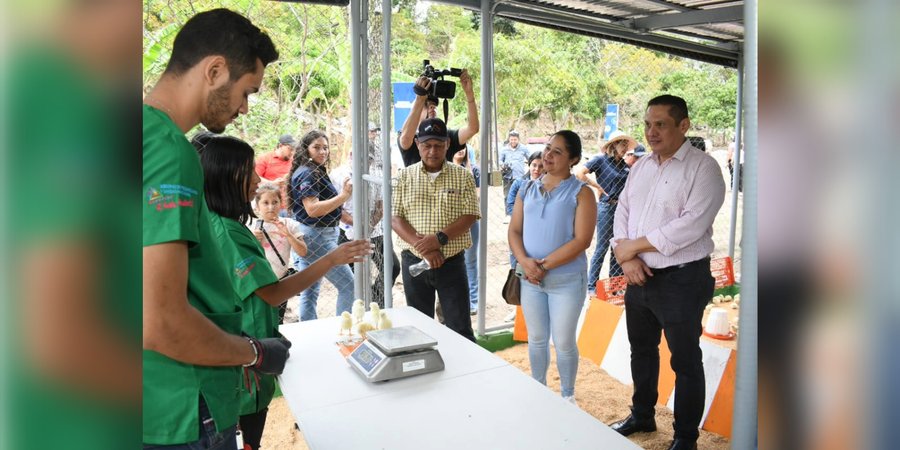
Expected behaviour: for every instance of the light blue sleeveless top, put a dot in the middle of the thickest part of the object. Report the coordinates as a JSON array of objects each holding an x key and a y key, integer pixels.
[{"x": 549, "y": 221}]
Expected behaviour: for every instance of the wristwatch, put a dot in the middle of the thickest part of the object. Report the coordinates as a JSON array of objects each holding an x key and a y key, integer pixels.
[{"x": 442, "y": 237}]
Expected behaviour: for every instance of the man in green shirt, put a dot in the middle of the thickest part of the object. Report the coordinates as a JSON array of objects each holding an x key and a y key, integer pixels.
[{"x": 193, "y": 350}]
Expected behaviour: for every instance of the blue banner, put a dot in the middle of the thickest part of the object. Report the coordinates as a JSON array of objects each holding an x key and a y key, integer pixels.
[
  {"x": 403, "y": 100},
  {"x": 612, "y": 120}
]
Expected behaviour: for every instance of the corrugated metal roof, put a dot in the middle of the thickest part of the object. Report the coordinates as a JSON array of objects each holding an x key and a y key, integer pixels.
[{"x": 706, "y": 30}]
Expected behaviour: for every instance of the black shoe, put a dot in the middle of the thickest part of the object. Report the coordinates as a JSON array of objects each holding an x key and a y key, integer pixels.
[
  {"x": 683, "y": 444},
  {"x": 630, "y": 425}
]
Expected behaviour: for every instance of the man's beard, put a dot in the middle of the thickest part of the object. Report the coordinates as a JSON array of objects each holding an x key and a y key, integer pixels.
[{"x": 217, "y": 109}]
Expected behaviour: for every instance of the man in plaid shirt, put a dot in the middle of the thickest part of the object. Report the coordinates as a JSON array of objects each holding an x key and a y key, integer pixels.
[{"x": 434, "y": 206}]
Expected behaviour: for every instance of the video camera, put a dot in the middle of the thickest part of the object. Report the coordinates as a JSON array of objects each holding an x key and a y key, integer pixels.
[{"x": 439, "y": 87}]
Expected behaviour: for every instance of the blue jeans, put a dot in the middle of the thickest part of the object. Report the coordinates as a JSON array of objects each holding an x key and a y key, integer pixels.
[
  {"x": 472, "y": 267},
  {"x": 210, "y": 439},
  {"x": 552, "y": 309},
  {"x": 606, "y": 214},
  {"x": 319, "y": 242}
]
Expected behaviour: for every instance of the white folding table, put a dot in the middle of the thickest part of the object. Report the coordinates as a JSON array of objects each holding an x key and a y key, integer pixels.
[{"x": 479, "y": 401}]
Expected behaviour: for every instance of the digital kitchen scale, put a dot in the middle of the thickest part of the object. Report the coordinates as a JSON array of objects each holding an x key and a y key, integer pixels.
[{"x": 396, "y": 353}]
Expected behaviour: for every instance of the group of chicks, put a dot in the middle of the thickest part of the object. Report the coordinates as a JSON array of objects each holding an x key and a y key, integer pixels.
[
  {"x": 377, "y": 319},
  {"x": 735, "y": 301}
]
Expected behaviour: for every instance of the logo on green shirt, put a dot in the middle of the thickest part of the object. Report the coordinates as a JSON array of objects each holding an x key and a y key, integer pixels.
[
  {"x": 242, "y": 268},
  {"x": 164, "y": 196}
]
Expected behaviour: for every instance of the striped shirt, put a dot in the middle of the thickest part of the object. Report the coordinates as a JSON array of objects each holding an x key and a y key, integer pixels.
[
  {"x": 673, "y": 205},
  {"x": 429, "y": 204}
]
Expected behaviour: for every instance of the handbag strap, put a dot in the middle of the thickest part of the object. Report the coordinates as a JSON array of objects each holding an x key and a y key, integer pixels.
[{"x": 274, "y": 248}]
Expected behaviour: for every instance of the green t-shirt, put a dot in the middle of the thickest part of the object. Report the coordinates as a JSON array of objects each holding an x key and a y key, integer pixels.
[
  {"x": 250, "y": 270},
  {"x": 68, "y": 186},
  {"x": 174, "y": 209}
]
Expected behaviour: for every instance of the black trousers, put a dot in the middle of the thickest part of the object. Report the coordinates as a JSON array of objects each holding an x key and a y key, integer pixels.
[
  {"x": 378, "y": 261},
  {"x": 507, "y": 185},
  {"x": 252, "y": 426},
  {"x": 671, "y": 301},
  {"x": 450, "y": 282}
]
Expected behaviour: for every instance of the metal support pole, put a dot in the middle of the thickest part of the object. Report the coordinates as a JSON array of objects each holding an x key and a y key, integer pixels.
[
  {"x": 744, "y": 429},
  {"x": 736, "y": 158},
  {"x": 487, "y": 56},
  {"x": 386, "y": 151},
  {"x": 358, "y": 102}
]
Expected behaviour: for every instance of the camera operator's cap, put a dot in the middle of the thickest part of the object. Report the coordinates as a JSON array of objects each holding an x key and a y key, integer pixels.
[
  {"x": 287, "y": 139},
  {"x": 432, "y": 129},
  {"x": 373, "y": 127},
  {"x": 513, "y": 133},
  {"x": 432, "y": 99}
]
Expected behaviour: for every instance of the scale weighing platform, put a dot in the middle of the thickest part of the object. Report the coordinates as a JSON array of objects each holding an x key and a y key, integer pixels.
[{"x": 396, "y": 353}]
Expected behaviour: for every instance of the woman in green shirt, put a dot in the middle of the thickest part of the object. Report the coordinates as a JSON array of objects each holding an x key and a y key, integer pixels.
[{"x": 229, "y": 184}]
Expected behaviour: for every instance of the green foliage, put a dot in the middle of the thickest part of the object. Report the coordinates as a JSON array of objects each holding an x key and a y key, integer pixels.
[{"x": 544, "y": 79}]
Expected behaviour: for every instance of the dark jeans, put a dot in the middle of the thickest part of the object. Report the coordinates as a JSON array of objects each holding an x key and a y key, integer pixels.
[
  {"x": 606, "y": 214},
  {"x": 672, "y": 301},
  {"x": 252, "y": 426},
  {"x": 210, "y": 439},
  {"x": 452, "y": 286},
  {"x": 378, "y": 260}
]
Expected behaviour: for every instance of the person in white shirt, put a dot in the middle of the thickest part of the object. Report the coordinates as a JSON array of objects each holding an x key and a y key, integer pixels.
[
  {"x": 277, "y": 235},
  {"x": 662, "y": 238}
]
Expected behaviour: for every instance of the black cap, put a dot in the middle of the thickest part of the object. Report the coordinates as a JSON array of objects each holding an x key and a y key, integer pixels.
[
  {"x": 432, "y": 129},
  {"x": 513, "y": 133},
  {"x": 432, "y": 99}
]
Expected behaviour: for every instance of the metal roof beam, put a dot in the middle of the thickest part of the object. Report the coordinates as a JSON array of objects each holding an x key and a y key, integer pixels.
[
  {"x": 683, "y": 19},
  {"x": 670, "y": 5}
]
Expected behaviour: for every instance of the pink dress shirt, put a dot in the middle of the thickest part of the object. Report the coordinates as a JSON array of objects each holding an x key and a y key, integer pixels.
[{"x": 673, "y": 205}]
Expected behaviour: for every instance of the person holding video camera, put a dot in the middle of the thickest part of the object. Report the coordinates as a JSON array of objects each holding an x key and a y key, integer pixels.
[{"x": 425, "y": 107}]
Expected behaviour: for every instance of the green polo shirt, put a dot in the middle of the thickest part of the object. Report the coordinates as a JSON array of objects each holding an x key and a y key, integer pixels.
[
  {"x": 250, "y": 270},
  {"x": 174, "y": 209}
]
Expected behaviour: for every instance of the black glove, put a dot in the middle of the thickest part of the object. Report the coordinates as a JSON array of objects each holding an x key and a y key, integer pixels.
[{"x": 271, "y": 353}]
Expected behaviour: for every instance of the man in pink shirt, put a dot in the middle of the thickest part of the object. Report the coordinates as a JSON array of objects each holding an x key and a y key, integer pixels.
[
  {"x": 662, "y": 238},
  {"x": 273, "y": 166}
]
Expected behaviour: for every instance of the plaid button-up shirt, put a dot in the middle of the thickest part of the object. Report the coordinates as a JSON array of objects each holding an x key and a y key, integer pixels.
[{"x": 429, "y": 204}]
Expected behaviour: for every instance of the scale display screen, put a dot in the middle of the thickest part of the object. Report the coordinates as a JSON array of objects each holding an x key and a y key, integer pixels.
[{"x": 367, "y": 357}]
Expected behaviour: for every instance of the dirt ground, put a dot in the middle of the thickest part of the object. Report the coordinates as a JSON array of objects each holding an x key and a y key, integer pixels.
[{"x": 597, "y": 393}]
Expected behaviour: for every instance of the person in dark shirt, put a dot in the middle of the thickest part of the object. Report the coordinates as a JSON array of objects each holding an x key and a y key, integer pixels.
[
  {"x": 425, "y": 107},
  {"x": 316, "y": 203},
  {"x": 610, "y": 170}
]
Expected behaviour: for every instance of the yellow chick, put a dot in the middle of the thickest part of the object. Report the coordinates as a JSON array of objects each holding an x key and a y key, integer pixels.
[
  {"x": 359, "y": 310},
  {"x": 346, "y": 323},
  {"x": 363, "y": 328},
  {"x": 384, "y": 322},
  {"x": 374, "y": 313}
]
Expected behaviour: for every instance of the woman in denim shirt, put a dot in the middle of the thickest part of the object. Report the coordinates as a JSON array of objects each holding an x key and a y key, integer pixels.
[{"x": 552, "y": 226}]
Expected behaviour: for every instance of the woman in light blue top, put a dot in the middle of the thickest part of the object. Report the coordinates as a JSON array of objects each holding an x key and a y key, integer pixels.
[{"x": 552, "y": 225}]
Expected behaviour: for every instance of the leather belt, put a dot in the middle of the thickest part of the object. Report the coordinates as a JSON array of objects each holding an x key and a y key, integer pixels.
[{"x": 678, "y": 266}]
